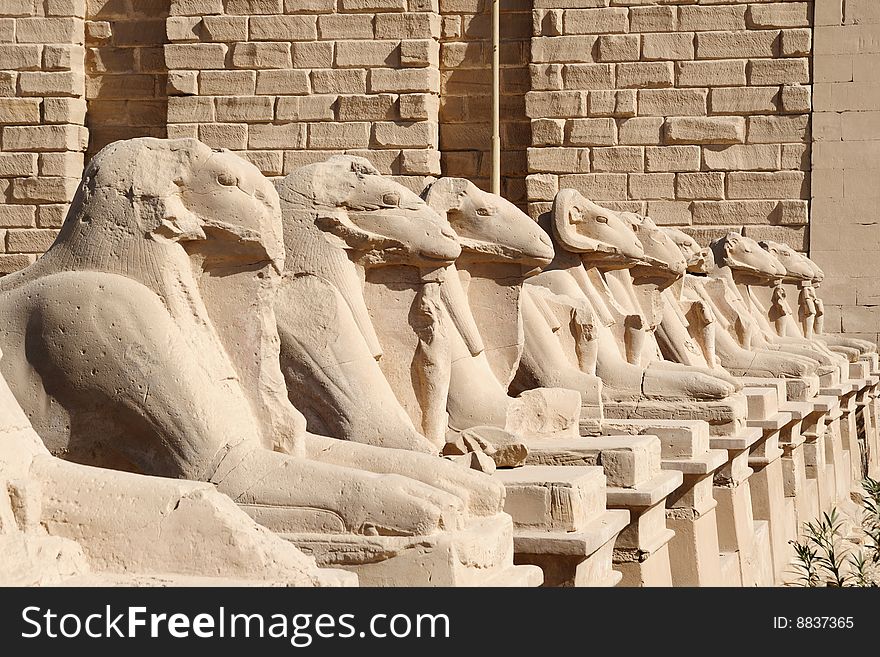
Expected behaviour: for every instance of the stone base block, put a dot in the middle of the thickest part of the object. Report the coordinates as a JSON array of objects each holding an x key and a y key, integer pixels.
[
  {"x": 561, "y": 525},
  {"x": 724, "y": 417},
  {"x": 479, "y": 555},
  {"x": 582, "y": 558},
  {"x": 553, "y": 498}
]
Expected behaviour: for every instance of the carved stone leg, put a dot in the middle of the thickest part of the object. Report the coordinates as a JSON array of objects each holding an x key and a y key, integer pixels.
[{"x": 867, "y": 429}]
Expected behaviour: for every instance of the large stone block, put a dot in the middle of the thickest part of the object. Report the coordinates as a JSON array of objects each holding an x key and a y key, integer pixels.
[
  {"x": 654, "y": 186},
  {"x": 644, "y": 131},
  {"x": 596, "y": 21},
  {"x": 562, "y": 49},
  {"x": 761, "y": 185},
  {"x": 743, "y": 100},
  {"x": 705, "y": 130},
  {"x": 339, "y": 136},
  {"x": 672, "y": 158},
  {"x": 699, "y": 186},
  {"x": 199, "y": 55},
  {"x": 764, "y": 72},
  {"x": 49, "y": 30},
  {"x": 777, "y": 129},
  {"x": 645, "y": 75},
  {"x": 337, "y": 81},
  {"x": 19, "y": 111},
  {"x": 652, "y": 19},
  {"x": 14, "y": 57},
  {"x": 599, "y": 186},
  {"x": 34, "y": 240},
  {"x": 414, "y": 25},
  {"x": 733, "y": 213},
  {"x": 248, "y": 109},
  {"x": 258, "y": 56},
  {"x": 779, "y": 14},
  {"x": 306, "y": 108},
  {"x": 286, "y": 136},
  {"x": 671, "y": 45},
  {"x": 418, "y": 134},
  {"x": 619, "y": 47},
  {"x": 672, "y": 102},
  {"x": 592, "y": 132},
  {"x": 721, "y": 73},
  {"x": 729, "y": 45},
  {"x": 588, "y": 76},
  {"x": 360, "y": 54},
  {"x": 283, "y": 28},
  {"x": 413, "y": 80},
  {"x": 45, "y": 138},
  {"x": 742, "y": 157},
  {"x": 556, "y": 104},
  {"x": 618, "y": 159},
  {"x": 704, "y": 19}
]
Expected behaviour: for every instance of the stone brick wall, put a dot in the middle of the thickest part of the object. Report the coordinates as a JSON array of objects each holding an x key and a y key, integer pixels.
[
  {"x": 42, "y": 110},
  {"x": 694, "y": 111},
  {"x": 845, "y": 232},
  {"x": 466, "y": 92},
  {"x": 287, "y": 83},
  {"x": 125, "y": 70}
]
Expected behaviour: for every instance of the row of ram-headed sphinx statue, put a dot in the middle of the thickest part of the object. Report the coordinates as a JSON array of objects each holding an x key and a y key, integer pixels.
[{"x": 333, "y": 380}]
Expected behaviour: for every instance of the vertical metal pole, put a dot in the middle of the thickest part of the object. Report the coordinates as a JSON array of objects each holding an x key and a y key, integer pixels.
[{"x": 496, "y": 95}]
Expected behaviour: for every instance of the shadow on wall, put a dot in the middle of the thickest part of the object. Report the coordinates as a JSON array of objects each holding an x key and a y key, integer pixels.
[
  {"x": 466, "y": 92},
  {"x": 125, "y": 70}
]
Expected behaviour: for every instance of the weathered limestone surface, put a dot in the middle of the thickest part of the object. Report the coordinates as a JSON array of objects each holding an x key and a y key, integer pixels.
[
  {"x": 665, "y": 150},
  {"x": 182, "y": 384}
]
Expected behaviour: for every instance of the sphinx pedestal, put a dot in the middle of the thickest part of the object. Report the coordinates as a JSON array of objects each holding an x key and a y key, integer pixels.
[
  {"x": 695, "y": 555},
  {"x": 838, "y": 454},
  {"x": 635, "y": 483},
  {"x": 561, "y": 523},
  {"x": 478, "y": 555},
  {"x": 744, "y": 542}
]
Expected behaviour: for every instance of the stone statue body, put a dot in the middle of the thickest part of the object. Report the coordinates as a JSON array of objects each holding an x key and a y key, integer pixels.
[
  {"x": 145, "y": 340},
  {"x": 501, "y": 247},
  {"x": 802, "y": 276},
  {"x": 657, "y": 285},
  {"x": 340, "y": 215},
  {"x": 67, "y": 523},
  {"x": 711, "y": 310},
  {"x": 591, "y": 241},
  {"x": 753, "y": 275}
]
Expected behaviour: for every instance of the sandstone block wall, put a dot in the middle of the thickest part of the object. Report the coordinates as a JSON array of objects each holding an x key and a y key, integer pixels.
[
  {"x": 125, "y": 70},
  {"x": 709, "y": 114},
  {"x": 694, "y": 111},
  {"x": 290, "y": 82},
  {"x": 42, "y": 114},
  {"x": 845, "y": 232},
  {"x": 466, "y": 92}
]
